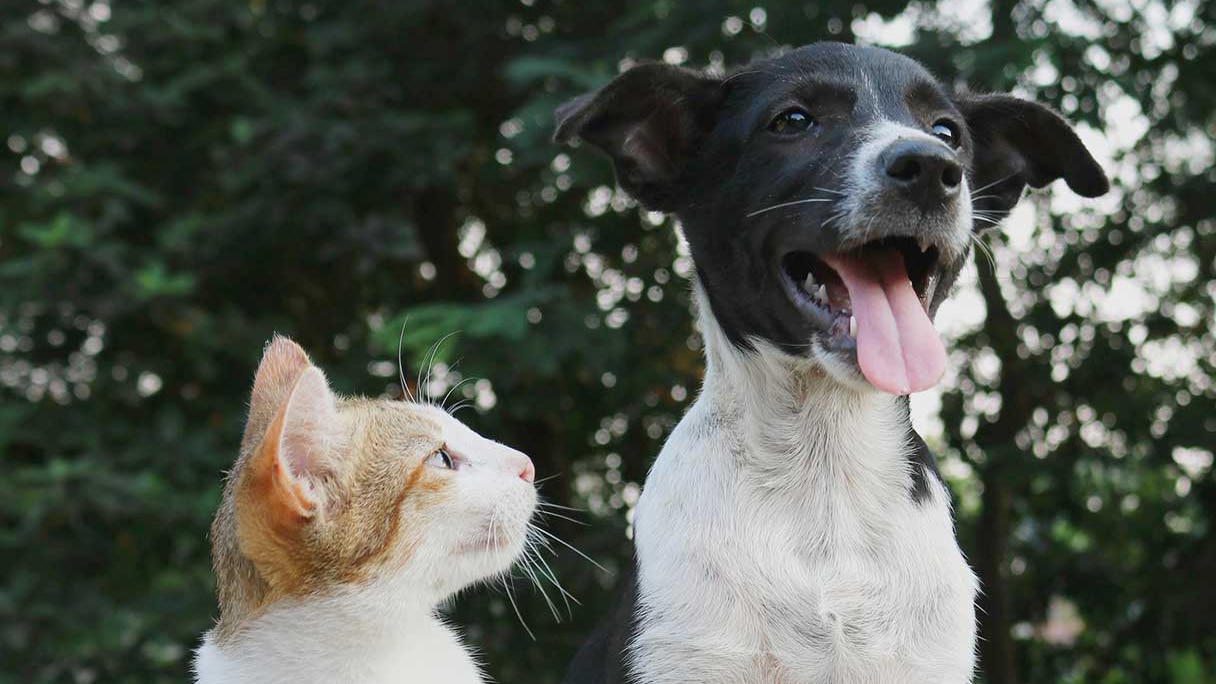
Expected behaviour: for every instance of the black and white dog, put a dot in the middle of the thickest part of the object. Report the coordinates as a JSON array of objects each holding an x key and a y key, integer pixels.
[{"x": 794, "y": 528}]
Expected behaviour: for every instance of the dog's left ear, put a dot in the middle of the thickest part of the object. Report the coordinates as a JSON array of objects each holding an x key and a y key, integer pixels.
[
  {"x": 649, "y": 120},
  {"x": 1019, "y": 143}
]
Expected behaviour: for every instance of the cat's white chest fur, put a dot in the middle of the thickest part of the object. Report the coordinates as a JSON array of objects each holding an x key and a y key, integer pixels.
[
  {"x": 304, "y": 645},
  {"x": 770, "y": 560}
]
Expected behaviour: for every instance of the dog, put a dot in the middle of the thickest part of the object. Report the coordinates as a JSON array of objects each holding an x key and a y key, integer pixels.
[{"x": 794, "y": 529}]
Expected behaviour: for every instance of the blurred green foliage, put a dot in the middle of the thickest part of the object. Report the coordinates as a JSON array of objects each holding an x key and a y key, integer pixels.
[{"x": 179, "y": 180}]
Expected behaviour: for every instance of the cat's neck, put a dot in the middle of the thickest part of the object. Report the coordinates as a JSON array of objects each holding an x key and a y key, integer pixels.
[{"x": 369, "y": 636}]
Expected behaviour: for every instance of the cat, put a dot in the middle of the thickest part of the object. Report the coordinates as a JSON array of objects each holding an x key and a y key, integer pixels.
[{"x": 344, "y": 524}]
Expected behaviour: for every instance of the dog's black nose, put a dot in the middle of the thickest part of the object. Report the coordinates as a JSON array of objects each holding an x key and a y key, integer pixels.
[{"x": 927, "y": 171}]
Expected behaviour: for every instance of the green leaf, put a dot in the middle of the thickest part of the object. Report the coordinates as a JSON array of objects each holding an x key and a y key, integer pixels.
[
  {"x": 155, "y": 280},
  {"x": 62, "y": 230}
]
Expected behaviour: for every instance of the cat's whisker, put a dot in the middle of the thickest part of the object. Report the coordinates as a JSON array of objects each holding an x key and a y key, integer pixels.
[
  {"x": 549, "y": 504},
  {"x": 567, "y": 597},
  {"x": 506, "y": 585},
  {"x": 527, "y": 567},
  {"x": 455, "y": 387},
  {"x": 418, "y": 377},
  {"x": 493, "y": 522},
  {"x": 547, "y": 546},
  {"x": 551, "y": 514},
  {"x": 432, "y": 353},
  {"x": 405, "y": 388},
  {"x": 463, "y": 404},
  {"x": 535, "y": 561},
  {"x": 451, "y": 369},
  {"x": 563, "y": 542},
  {"x": 541, "y": 542}
]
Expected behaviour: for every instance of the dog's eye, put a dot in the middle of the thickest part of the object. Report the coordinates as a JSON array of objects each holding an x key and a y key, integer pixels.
[
  {"x": 441, "y": 459},
  {"x": 790, "y": 122},
  {"x": 947, "y": 132}
]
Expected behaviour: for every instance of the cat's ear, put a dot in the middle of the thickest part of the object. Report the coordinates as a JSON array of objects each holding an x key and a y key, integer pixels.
[
  {"x": 295, "y": 454},
  {"x": 282, "y": 363}
]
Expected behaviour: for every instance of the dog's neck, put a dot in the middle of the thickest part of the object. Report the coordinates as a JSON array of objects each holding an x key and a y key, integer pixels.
[
  {"x": 768, "y": 385},
  {"x": 799, "y": 427}
]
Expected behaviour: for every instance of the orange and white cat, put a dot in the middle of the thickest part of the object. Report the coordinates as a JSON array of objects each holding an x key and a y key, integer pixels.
[{"x": 344, "y": 524}]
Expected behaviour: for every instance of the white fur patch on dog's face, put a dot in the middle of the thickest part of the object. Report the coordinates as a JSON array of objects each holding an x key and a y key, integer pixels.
[{"x": 866, "y": 205}]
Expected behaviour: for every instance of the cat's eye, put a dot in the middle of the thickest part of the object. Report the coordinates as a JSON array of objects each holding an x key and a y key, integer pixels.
[
  {"x": 441, "y": 459},
  {"x": 947, "y": 132},
  {"x": 791, "y": 122}
]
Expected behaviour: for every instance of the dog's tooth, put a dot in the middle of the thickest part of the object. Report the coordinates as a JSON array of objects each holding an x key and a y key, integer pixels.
[
  {"x": 930, "y": 290},
  {"x": 809, "y": 283},
  {"x": 822, "y": 293},
  {"x": 852, "y": 326}
]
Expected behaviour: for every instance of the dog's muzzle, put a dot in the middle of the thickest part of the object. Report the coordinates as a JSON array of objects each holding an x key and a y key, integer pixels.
[{"x": 925, "y": 172}]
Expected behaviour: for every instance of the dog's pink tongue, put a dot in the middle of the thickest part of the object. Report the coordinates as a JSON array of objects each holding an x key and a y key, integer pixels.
[{"x": 897, "y": 348}]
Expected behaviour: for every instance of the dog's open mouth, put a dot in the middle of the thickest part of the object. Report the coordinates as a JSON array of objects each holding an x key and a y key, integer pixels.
[
  {"x": 879, "y": 295},
  {"x": 822, "y": 284}
]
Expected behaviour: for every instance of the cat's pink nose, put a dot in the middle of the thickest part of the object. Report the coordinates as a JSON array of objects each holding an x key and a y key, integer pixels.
[{"x": 528, "y": 472}]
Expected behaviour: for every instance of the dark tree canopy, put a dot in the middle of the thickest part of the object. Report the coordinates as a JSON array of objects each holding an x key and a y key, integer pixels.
[{"x": 179, "y": 180}]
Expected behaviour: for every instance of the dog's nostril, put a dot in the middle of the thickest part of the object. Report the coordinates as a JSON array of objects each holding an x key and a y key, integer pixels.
[
  {"x": 904, "y": 167},
  {"x": 952, "y": 175},
  {"x": 925, "y": 171}
]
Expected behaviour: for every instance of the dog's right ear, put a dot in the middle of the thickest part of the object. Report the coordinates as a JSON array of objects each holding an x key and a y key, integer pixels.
[{"x": 649, "y": 120}]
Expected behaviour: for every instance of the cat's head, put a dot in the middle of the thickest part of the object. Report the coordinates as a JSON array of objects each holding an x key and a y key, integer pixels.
[{"x": 334, "y": 493}]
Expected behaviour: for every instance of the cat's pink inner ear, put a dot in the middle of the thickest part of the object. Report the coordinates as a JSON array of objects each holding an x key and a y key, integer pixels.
[
  {"x": 310, "y": 424},
  {"x": 300, "y": 440},
  {"x": 282, "y": 363}
]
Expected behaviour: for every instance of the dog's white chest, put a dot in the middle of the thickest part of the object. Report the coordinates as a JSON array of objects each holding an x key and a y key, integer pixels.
[{"x": 834, "y": 575}]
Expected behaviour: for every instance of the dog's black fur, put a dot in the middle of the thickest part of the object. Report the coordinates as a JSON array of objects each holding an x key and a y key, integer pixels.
[
  {"x": 717, "y": 151},
  {"x": 700, "y": 147}
]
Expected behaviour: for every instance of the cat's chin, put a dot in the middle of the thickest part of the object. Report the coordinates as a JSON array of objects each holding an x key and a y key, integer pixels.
[
  {"x": 496, "y": 555},
  {"x": 494, "y": 546},
  {"x": 493, "y": 554}
]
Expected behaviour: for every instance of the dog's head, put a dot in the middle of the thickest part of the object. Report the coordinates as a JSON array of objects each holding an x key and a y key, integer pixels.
[{"x": 829, "y": 195}]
